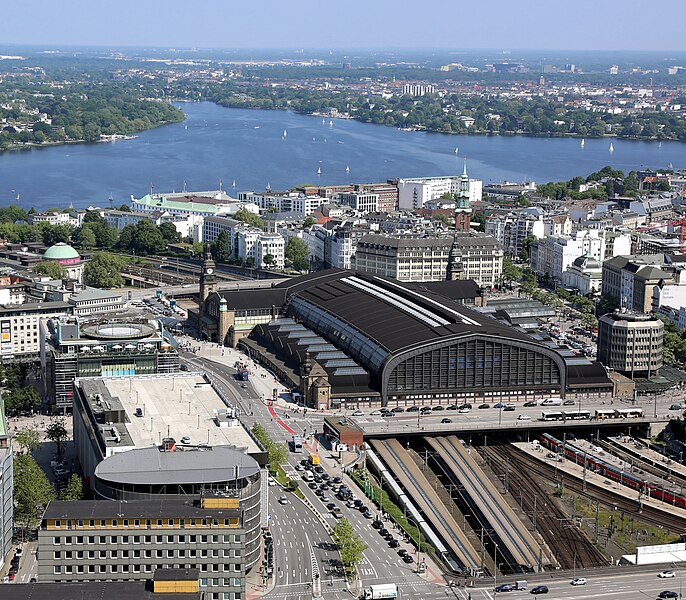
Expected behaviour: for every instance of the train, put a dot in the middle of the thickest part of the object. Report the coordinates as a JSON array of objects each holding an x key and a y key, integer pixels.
[{"x": 598, "y": 465}]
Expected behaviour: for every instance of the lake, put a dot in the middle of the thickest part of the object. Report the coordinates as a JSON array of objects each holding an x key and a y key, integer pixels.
[{"x": 249, "y": 147}]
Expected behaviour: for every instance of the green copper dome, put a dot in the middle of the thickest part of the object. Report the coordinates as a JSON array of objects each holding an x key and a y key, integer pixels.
[{"x": 60, "y": 251}]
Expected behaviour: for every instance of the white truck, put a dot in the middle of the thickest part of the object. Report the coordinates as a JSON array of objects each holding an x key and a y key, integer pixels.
[{"x": 381, "y": 591}]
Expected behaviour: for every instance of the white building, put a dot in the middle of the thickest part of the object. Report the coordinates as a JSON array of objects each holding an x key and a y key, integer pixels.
[
  {"x": 270, "y": 244},
  {"x": 296, "y": 202},
  {"x": 52, "y": 218},
  {"x": 512, "y": 229},
  {"x": 585, "y": 274},
  {"x": 362, "y": 202},
  {"x": 251, "y": 243},
  {"x": 415, "y": 193}
]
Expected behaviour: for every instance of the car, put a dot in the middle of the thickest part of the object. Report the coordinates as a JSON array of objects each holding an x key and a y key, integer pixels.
[
  {"x": 383, "y": 531},
  {"x": 413, "y": 409},
  {"x": 350, "y": 503},
  {"x": 446, "y": 420},
  {"x": 393, "y": 543},
  {"x": 375, "y": 413},
  {"x": 367, "y": 514},
  {"x": 568, "y": 403},
  {"x": 505, "y": 587},
  {"x": 388, "y": 414},
  {"x": 331, "y": 506},
  {"x": 453, "y": 407},
  {"x": 283, "y": 499},
  {"x": 666, "y": 574},
  {"x": 183, "y": 367},
  {"x": 464, "y": 410},
  {"x": 324, "y": 486},
  {"x": 313, "y": 485},
  {"x": 319, "y": 493},
  {"x": 337, "y": 479},
  {"x": 319, "y": 469},
  {"x": 408, "y": 558},
  {"x": 668, "y": 594},
  {"x": 377, "y": 524},
  {"x": 425, "y": 410},
  {"x": 499, "y": 405},
  {"x": 324, "y": 498},
  {"x": 402, "y": 552},
  {"x": 530, "y": 403},
  {"x": 358, "y": 503},
  {"x": 539, "y": 589},
  {"x": 358, "y": 413},
  {"x": 244, "y": 385},
  {"x": 510, "y": 407},
  {"x": 337, "y": 514},
  {"x": 185, "y": 440},
  {"x": 437, "y": 408},
  {"x": 299, "y": 467},
  {"x": 318, "y": 479},
  {"x": 523, "y": 418},
  {"x": 138, "y": 412},
  {"x": 398, "y": 409},
  {"x": 388, "y": 537},
  {"x": 484, "y": 405},
  {"x": 578, "y": 581},
  {"x": 326, "y": 476}
]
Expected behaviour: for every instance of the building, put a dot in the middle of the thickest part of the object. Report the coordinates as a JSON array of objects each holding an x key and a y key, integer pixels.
[
  {"x": 6, "y": 489},
  {"x": 476, "y": 256},
  {"x": 513, "y": 229},
  {"x": 631, "y": 280},
  {"x": 72, "y": 347},
  {"x": 91, "y": 541},
  {"x": 247, "y": 244},
  {"x": 346, "y": 339},
  {"x": 20, "y": 328},
  {"x": 121, "y": 590},
  {"x": 631, "y": 343},
  {"x": 92, "y": 301},
  {"x": 203, "y": 204},
  {"x": 415, "y": 193},
  {"x": 584, "y": 275},
  {"x": 127, "y": 433},
  {"x": 67, "y": 258},
  {"x": 362, "y": 202}
]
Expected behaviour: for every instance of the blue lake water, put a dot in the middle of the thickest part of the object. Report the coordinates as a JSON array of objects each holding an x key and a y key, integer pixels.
[{"x": 248, "y": 146}]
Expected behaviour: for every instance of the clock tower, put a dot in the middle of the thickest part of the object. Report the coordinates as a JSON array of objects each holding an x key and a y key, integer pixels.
[{"x": 208, "y": 280}]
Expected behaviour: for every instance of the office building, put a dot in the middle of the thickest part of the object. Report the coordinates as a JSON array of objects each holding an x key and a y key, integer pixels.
[
  {"x": 631, "y": 343},
  {"x": 72, "y": 347},
  {"x": 92, "y": 541}
]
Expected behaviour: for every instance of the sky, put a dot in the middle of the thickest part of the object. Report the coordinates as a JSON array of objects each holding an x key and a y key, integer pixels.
[{"x": 460, "y": 24}]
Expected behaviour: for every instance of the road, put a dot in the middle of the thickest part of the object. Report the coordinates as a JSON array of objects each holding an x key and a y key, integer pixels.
[{"x": 297, "y": 529}]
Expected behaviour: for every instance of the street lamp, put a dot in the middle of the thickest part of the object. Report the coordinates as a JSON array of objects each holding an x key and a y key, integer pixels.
[{"x": 495, "y": 571}]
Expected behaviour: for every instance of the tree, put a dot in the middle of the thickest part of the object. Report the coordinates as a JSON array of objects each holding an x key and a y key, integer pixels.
[
  {"x": 248, "y": 217},
  {"x": 84, "y": 237},
  {"x": 526, "y": 246},
  {"x": 32, "y": 492},
  {"x": 50, "y": 269},
  {"x": 104, "y": 270},
  {"x": 74, "y": 489},
  {"x": 56, "y": 432},
  {"x": 222, "y": 247},
  {"x": 124, "y": 208},
  {"x": 350, "y": 546},
  {"x": 277, "y": 453},
  {"x": 269, "y": 260},
  {"x": 22, "y": 397},
  {"x": 28, "y": 438},
  {"x": 148, "y": 239},
  {"x": 510, "y": 271},
  {"x": 170, "y": 233},
  {"x": 297, "y": 254},
  {"x": 197, "y": 248},
  {"x": 307, "y": 223}
]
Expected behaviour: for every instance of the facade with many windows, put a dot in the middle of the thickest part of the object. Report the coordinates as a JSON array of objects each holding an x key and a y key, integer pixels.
[{"x": 89, "y": 540}]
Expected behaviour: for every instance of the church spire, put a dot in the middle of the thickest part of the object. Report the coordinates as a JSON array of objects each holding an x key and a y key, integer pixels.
[{"x": 463, "y": 207}]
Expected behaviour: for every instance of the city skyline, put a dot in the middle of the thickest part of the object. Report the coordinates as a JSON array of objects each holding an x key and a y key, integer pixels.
[{"x": 528, "y": 24}]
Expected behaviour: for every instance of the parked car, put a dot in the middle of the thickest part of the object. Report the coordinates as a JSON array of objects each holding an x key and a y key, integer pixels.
[
  {"x": 484, "y": 405},
  {"x": 437, "y": 408},
  {"x": 523, "y": 418},
  {"x": 402, "y": 552},
  {"x": 398, "y": 409},
  {"x": 185, "y": 440},
  {"x": 413, "y": 409},
  {"x": 377, "y": 524},
  {"x": 530, "y": 403},
  {"x": 568, "y": 403},
  {"x": 408, "y": 558},
  {"x": 446, "y": 420},
  {"x": 358, "y": 413},
  {"x": 375, "y": 413}
]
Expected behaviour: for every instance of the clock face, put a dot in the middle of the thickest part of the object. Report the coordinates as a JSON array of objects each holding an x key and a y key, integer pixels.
[{"x": 209, "y": 271}]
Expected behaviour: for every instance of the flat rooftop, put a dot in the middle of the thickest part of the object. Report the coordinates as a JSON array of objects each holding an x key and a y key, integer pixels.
[{"x": 175, "y": 405}]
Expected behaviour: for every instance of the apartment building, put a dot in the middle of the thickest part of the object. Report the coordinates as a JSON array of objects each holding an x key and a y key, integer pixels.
[
  {"x": 512, "y": 229},
  {"x": 631, "y": 280},
  {"x": 415, "y": 193},
  {"x": 91, "y": 540}
]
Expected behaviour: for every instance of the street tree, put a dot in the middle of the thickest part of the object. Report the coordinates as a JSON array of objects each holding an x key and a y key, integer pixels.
[
  {"x": 350, "y": 546},
  {"x": 28, "y": 439},
  {"x": 277, "y": 452},
  {"x": 104, "y": 270},
  {"x": 269, "y": 260},
  {"x": 74, "y": 489},
  {"x": 56, "y": 432},
  {"x": 32, "y": 492},
  {"x": 297, "y": 254}
]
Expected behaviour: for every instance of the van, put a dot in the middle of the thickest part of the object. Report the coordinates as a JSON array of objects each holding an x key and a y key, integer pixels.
[
  {"x": 552, "y": 402},
  {"x": 308, "y": 476},
  {"x": 520, "y": 585}
]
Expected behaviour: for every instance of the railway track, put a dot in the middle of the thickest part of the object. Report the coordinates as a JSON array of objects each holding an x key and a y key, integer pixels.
[
  {"x": 574, "y": 548},
  {"x": 597, "y": 493}
]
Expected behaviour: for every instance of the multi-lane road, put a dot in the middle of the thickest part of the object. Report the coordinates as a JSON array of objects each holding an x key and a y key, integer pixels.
[{"x": 300, "y": 538}]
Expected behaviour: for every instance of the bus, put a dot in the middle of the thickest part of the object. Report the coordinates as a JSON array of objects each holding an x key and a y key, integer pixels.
[
  {"x": 629, "y": 413},
  {"x": 549, "y": 415},
  {"x": 605, "y": 413},
  {"x": 577, "y": 414},
  {"x": 297, "y": 444}
]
